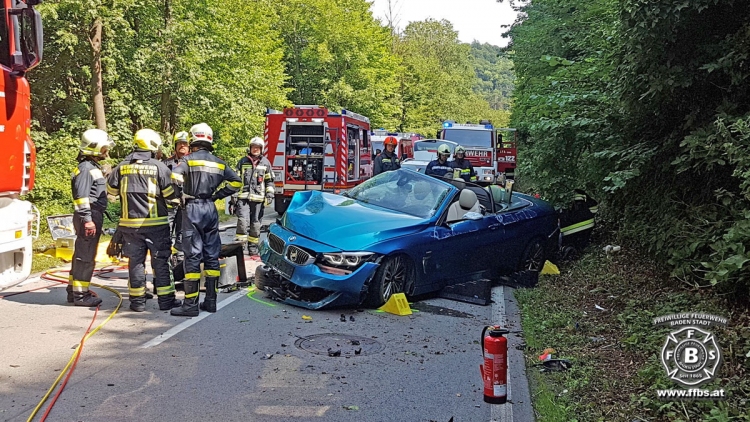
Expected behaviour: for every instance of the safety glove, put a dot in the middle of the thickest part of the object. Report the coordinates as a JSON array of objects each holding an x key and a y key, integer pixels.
[{"x": 269, "y": 198}]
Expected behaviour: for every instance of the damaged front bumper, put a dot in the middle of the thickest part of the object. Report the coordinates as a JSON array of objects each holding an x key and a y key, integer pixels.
[{"x": 310, "y": 287}]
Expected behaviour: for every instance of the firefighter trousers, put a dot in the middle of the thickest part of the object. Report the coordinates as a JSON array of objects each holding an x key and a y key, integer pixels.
[
  {"x": 175, "y": 228},
  {"x": 200, "y": 240},
  {"x": 137, "y": 243},
  {"x": 84, "y": 255},
  {"x": 249, "y": 214}
]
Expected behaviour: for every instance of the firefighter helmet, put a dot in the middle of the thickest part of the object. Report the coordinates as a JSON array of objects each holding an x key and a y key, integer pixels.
[
  {"x": 95, "y": 143},
  {"x": 201, "y": 133},
  {"x": 459, "y": 150},
  {"x": 390, "y": 140},
  {"x": 180, "y": 137},
  {"x": 256, "y": 142},
  {"x": 147, "y": 139},
  {"x": 443, "y": 149}
]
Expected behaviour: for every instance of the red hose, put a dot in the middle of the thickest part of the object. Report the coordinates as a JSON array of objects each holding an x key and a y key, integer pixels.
[{"x": 72, "y": 368}]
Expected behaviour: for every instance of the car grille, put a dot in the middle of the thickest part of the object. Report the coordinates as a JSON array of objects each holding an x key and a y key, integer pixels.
[
  {"x": 276, "y": 244},
  {"x": 298, "y": 255}
]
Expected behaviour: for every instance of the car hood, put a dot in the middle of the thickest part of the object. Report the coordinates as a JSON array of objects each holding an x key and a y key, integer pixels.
[{"x": 344, "y": 223}]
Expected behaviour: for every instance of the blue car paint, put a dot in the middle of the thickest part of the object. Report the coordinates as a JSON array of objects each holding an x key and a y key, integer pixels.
[
  {"x": 442, "y": 254},
  {"x": 344, "y": 223},
  {"x": 345, "y": 289}
]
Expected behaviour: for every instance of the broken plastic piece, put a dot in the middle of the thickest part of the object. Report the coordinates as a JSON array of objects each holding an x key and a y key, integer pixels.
[
  {"x": 599, "y": 308},
  {"x": 557, "y": 364},
  {"x": 307, "y": 317},
  {"x": 334, "y": 353}
]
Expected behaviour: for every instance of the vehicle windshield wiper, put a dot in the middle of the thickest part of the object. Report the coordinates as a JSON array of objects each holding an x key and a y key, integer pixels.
[{"x": 346, "y": 194}]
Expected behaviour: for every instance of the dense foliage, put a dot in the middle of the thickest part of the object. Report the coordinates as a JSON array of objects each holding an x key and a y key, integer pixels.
[
  {"x": 169, "y": 64},
  {"x": 645, "y": 104}
]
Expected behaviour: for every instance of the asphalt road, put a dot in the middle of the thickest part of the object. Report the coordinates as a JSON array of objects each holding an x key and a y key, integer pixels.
[{"x": 253, "y": 360}]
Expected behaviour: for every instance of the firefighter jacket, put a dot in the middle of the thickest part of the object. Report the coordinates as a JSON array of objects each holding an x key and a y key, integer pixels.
[
  {"x": 172, "y": 163},
  {"x": 466, "y": 170},
  {"x": 257, "y": 178},
  {"x": 202, "y": 173},
  {"x": 436, "y": 168},
  {"x": 386, "y": 161},
  {"x": 89, "y": 189},
  {"x": 143, "y": 184}
]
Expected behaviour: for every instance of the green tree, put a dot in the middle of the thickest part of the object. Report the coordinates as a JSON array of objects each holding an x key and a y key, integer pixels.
[
  {"x": 437, "y": 78},
  {"x": 338, "y": 55}
]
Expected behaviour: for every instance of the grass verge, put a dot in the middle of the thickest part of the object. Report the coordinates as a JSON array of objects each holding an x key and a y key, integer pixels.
[{"x": 615, "y": 351}]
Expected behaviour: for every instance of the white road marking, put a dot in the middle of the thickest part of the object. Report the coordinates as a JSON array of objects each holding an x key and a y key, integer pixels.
[
  {"x": 192, "y": 321},
  {"x": 500, "y": 412}
]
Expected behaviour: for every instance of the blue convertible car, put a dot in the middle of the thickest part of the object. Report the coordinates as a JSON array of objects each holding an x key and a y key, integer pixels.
[{"x": 400, "y": 231}]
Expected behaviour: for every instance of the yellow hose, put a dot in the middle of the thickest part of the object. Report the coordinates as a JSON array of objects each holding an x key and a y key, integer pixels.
[{"x": 52, "y": 274}]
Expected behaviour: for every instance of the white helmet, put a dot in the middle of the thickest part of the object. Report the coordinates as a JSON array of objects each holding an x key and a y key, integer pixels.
[
  {"x": 201, "y": 133},
  {"x": 147, "y": 139},
  {"x": 256, "y": 142},
  {"x": 94, "y": 142}
]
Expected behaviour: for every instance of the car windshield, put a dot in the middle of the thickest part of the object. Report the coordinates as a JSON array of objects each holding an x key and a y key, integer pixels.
[
  {"x": 404, "y": 191},
  {"x": 470, "y": 137}
]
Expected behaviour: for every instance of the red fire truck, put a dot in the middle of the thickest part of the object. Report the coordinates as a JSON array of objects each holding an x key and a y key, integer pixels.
[
  {"x": 492, "y": 151},
  {"x": 20, "y": 50},
  {"x": 312, "y": 148}
]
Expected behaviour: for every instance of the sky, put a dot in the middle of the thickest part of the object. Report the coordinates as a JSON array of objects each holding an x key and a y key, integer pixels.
[{"x": 479, "y": 20}]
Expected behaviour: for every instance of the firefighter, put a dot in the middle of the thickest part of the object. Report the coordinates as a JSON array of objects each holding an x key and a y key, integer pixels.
[
  {"x": 144, "y": 186},
  {"x": 387, "y": 160},
  {"x": 464, "y": 167},
  {"x": 257, "y": 188},
  {"x": 181, "y": 150},
  {"x": 200, "y": 176},
  {"x": 90, "y": 201},
  {"x": 441, "y": 166}
]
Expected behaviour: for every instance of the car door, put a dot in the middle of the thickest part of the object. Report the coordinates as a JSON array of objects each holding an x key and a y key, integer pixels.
[{"x": 459, "y": 248}]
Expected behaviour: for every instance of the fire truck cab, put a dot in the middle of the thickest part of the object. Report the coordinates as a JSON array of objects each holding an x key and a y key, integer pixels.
[
  {"x": 312, "y": 148},
  {"x": 490, "y": 150},
  {"x": 20, "y": 50},
  {"x": 405, "y": 148}
]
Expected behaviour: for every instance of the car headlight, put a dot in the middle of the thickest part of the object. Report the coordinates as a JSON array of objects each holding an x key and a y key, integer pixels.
[{"x": 347, "y": 259}]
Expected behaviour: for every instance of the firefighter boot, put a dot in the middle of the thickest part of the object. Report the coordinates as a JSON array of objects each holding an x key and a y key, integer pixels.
[
  {"x": 189, "y": 306},
  {"x": 85, "y": 299},
  {"x": 209, "y": 304},
  {"x": 138, "y": 303},
  {"x": 69, "y": 290},
  {"x": 168, "y": 302}
]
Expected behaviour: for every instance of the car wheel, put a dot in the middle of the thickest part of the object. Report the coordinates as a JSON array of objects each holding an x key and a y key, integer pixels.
[
  {"x": 395, "y": 274},
  {"x": 262, "y": 279},
  {"x": 533, "y": 257}
]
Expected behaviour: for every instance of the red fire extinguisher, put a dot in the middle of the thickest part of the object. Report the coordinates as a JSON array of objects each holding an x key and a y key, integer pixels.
[{"x": 495, "y": 367}]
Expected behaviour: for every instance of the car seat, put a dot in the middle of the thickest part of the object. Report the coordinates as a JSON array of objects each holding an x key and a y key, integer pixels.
[{"x": 467, "y": 202}]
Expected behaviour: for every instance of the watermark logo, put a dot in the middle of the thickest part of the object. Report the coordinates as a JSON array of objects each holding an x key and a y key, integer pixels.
[{"x": 691, "y": 355}]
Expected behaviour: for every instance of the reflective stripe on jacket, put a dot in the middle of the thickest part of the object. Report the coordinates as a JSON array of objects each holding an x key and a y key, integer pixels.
[
  {"x": 89, "y": 189},
  {"x": 466, "y": 169},
  {"x": 142, "y": 183},
  {"x": 203, "y": 173},
  {"x": 385, "y": 162},
  {"x": 257, "y": 181},
  {"x": 435, "y": 168}
]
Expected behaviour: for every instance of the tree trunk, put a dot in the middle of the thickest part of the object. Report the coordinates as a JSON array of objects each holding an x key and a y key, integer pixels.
[
  {"x": 96, "y": 75},
  {"x": 166, "y": 91}
]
